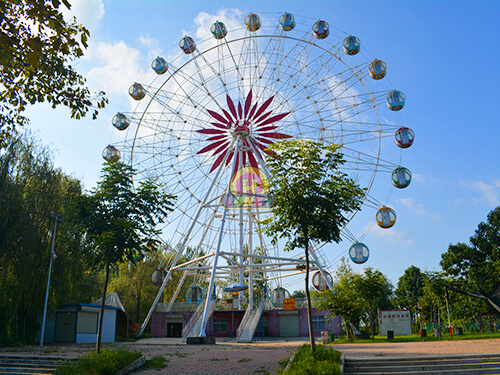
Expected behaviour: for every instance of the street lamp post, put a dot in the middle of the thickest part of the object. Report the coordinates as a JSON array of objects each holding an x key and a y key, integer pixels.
[{"x": 56, "y": 218}]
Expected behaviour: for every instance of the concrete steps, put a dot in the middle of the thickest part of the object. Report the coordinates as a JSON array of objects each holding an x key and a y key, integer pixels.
[
  {"x": 428, "y": 365},
  {"x": 30, "y": 365}
]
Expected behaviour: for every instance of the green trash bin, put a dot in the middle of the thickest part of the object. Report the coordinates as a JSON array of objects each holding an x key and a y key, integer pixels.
[{"x": 332, "y": 337}]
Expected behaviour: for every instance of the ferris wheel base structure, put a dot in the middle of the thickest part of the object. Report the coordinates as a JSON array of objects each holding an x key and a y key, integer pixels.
[{"x": 205, "y": 340}]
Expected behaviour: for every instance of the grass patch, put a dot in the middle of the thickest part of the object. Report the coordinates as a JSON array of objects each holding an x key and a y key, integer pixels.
[
  {"x": 262, "y": 371},
  {"x": 178, "y": 354},
  {"x": 324, "y": 361},
  {"x": 157, "y": 362},
  {"x": 445, "y": 336},
  {"x": 107, "y": 362},
  {"x": 134, "y": 338},
  {"x": 284, "y": 362}
]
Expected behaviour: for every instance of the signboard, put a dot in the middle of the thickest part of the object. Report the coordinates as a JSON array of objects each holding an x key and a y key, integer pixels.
[
  {"x": 248, "y": 189},
  {"x": 289, "y": 304},
  {"x": 398, "y": 321}
]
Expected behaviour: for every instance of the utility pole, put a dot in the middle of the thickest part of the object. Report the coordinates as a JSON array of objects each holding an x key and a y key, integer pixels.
[{"x": 56, "y": 217}]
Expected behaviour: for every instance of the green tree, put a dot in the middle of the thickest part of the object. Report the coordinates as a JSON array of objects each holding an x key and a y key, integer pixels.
[
  {"x": 120, "y": 221},
  {"x": 134, "y": 286},
  {"x": 475, "y": 266},
  {"x": 298, "y": 294},
  {"x": 30, "y": 188},
  {"x": 375, "y": 290},
  {"x": 432, "y": 302},
  {"x": 36, "y": 47},
  {"x": 478, "y": 262},
  {"x": 410, "y": 290},
  {"x": 344, "y": 299},
  {"x": 310, "y": 198}
]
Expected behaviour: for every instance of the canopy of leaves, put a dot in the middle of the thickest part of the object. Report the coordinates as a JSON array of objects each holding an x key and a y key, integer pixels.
[
  {"x": 134, "y": 285},
  {"x": 36, "y": 46},
  {"x": 478, "y": 263},
  {"x": 409, "y": 289},
  {"x": 357, "y": 297},
  {"x": 118, "y": 220},
  {"x": 30, "y": 188},
  {"x": 376, "y": 291},
  {"x": 310, "y": 196},
  {"x": 344, "y": 299}
]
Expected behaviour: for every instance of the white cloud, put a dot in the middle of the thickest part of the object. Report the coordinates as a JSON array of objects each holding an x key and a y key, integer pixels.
[
  {"x": 232, "y": 18},
  {"x": 152, "y": 45},
  {"x": 392, "y": 235},
  {"x": 418, "y": 178},
  {"x": 117, "y": 67},
  {"x": 89, "y": 13},
  {"x": 489, "y": 193},
  {"x": 419, "y": 209}
]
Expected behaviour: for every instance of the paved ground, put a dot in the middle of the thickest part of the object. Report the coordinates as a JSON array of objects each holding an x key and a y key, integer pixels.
[
  {"x": 420, "y": 349},
  {"x": 222, "y": 358},
  {"x": 263, "y": 357}
]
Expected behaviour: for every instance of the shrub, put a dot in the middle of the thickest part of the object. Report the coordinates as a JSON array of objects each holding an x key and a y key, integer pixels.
[
  {"x": 323, "y": 361},
  {"x": 107, "y": 362}
]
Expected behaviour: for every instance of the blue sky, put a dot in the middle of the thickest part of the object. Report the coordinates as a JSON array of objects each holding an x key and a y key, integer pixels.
[{"x": 442, "y": 54}]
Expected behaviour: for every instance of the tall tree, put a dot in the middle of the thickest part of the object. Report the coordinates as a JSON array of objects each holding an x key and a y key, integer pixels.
[
  {"x": 376, "y": 291},
  {"x": 477, "y": 263},
  {"x": 134, "y": 285},
  {"x": 344, "y": 299},
  {"x": 410, "y": 290},
  {"x": 30, "y": 188},
  {"x": 310, "y": 198},
  {"x": 36, "y": 47},
  {"x": 433, "y": 301},
  {"x": 120, "y": 221}
]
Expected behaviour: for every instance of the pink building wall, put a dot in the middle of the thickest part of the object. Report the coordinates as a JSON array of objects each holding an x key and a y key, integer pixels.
[{"x": 158, "y": 323}]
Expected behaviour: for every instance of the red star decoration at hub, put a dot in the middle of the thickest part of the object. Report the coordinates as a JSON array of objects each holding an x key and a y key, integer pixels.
[{"x": 253, "y": 122}]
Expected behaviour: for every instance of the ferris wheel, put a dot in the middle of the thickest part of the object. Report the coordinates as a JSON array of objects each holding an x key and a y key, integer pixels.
[{"x": 203, "y": 122}]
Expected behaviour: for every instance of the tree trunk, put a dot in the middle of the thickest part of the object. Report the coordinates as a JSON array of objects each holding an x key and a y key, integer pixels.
[
  {"x": 372, "y": 326},
  {"x": 101, "y": 316},
  {"x": 308, "y": 296},
  {"x": 138, "y": 307}
]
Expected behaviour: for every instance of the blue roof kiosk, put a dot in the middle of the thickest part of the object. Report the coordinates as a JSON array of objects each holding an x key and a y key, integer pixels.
[{"x": 78, "y": 322}]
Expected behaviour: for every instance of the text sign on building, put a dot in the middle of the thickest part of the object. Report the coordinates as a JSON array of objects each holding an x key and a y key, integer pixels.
[
  {"x": 289, "y": 304},
  {"x": 398, "y": 321}
]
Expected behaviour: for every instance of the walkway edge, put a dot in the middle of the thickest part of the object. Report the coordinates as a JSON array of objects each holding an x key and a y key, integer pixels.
[
  {"x": 289, "y": 364},
  {"x": 133, "y": 366}
]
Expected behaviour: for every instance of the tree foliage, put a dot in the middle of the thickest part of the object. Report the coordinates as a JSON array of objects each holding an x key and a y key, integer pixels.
[
  {"x": 409, "y": 290},
  {"x": 310, "y": 198},
  {"x": 477, "y": 263},
  {"x": 344, "y": 299},
  {"x": 36, "y": 48},
  {"x": 356, "y": 297},
  {"x": 118, "y": 220},
  {"x": 134, "y": 285},
  {"x": 376, "y": 291},
  {"x": 30, "y": 188}
]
